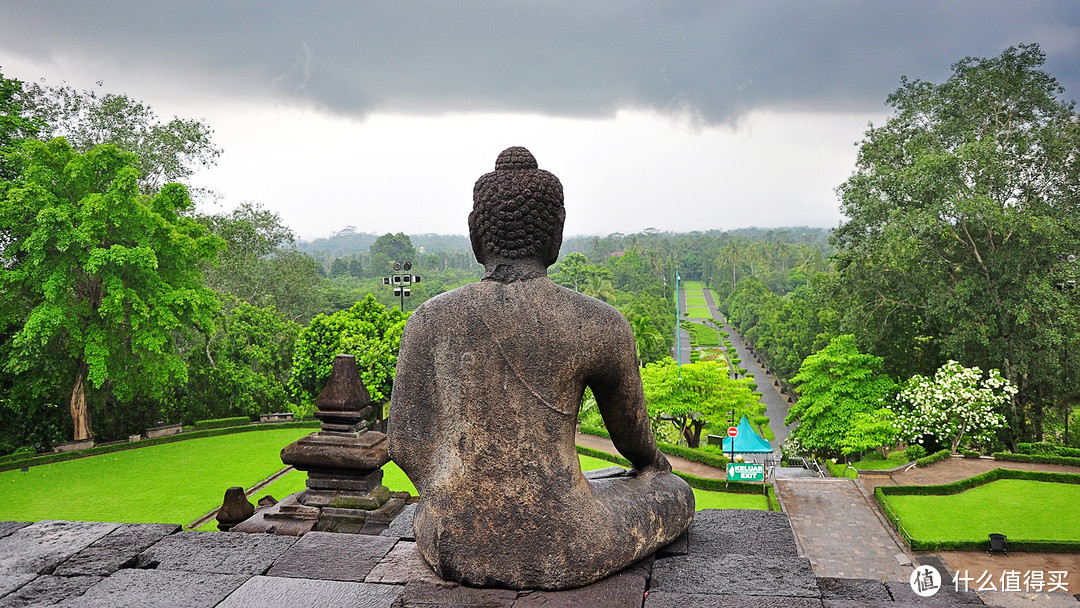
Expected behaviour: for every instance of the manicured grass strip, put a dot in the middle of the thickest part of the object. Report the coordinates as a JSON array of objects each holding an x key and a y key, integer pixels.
[
  {"x": 696, "y": 301},
  {"x": 1022, "y": 510},
  {"x": 698, "y": 313},
  {"x": 171, "y": 483},
  {"x": 692, "y": 285},
  {"x": 702, "y": 335},
  {"x": 724, "y": 500},
  {"x": 1052, "y": 486}
]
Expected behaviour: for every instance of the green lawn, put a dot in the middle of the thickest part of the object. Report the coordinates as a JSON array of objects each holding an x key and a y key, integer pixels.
[
  {"x": 1019, "y": 509},
  {"x": 692, "y": 285},
  {"x": 704, "y": 336},
  {"x": 169, "y": 483},
  {"x": 698, "y": 313},
  {"x": 695, "y": 301}
]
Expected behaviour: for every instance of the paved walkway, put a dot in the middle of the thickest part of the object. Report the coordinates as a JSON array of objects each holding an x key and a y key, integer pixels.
[
  {"x": 838, "y": 531},
  {"x": 776, "y": 406}
]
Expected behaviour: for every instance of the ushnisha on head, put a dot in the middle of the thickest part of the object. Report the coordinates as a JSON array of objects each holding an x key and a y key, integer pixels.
[{"x": 517, "y": 212}]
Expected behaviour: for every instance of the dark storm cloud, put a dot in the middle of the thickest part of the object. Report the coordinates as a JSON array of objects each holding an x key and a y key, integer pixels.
[{"x": 712, "y": 60}]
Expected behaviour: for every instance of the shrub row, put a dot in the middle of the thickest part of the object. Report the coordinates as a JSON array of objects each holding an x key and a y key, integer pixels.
[
  {"x": 219, "y": 423},
  {"x": 119, "y": 447},
  {"x": 713, "y": 460},
  {"x": 932, "y": 458},
  {"x": 1009, "y": 456},
  {"x": 1047, "y": 449},
  {"x": 19, "y": 454},
  {"x": 966, "y": 484}
]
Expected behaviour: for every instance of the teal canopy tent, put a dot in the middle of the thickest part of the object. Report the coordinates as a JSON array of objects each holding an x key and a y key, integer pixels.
[{"x": 747, "y": 441}]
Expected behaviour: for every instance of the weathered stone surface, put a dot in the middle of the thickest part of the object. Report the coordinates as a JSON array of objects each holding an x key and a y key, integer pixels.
[
  {"x": 288, "y": 517},
  {"x": 402, "y": 565},
  {"x": 429, "y": 595},
  {"x": 115, "y": 550},
  {"x": 7, "y": 528},
  {"x": 947, "y": 596},
  {"x": 11, "y": 582},
  {"x": 158, "y": 589},
  {"x": 624, "y": 590},
  {"x": 221, "y": 553},
  {"x": 38, "y": 548},
  {"x": 304, "y": 593},
  {"x": 48, "y": 591},
  {"x": 484, "y": 409},
  {"x": 402, "y": 526},
  {"x": 741, "y": 532},
  {"x": 675, "y": 547},
  {"x": 872, "y": 604},
  {"x": 364, "y": 452},
  {"x": 663, "y": 599},
  {"x": 862, "y": 589},
  {"x": 735, "y": 575},
  {"x": 337, "y": 557}
]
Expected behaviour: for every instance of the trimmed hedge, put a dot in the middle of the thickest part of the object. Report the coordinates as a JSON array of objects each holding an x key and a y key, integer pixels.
[
  {"x": 1009, "y": 456},
  {"x": 932, "y": 458},
  {"x": 956, "y": 487},
  {"x": 707, "y": 458},
  {"x": 19, "y": 454},
  {"x": 1047, "y": 449},
  {"x": 119, "y": 447},
  {"x": 219, "y": 423}
]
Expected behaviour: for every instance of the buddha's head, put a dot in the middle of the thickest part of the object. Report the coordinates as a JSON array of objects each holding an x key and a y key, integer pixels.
[{"x": 517, "y": 211}]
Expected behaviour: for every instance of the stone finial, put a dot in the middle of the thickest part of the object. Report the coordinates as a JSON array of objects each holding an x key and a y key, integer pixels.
[
  {"x": 344, "y": 404},
  {"x": 234, "y": 509}
]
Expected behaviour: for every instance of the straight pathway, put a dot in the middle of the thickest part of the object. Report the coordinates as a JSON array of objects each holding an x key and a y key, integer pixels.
[
  {"x": 839, "y": 532},
  {"x": 776, "y": 405}
]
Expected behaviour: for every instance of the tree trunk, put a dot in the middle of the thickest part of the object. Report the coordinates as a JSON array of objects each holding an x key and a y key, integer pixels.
[{"x": 80, "y": 411}]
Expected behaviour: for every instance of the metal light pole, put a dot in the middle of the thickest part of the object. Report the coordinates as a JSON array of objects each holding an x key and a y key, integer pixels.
[
  {"x": 399, "y": 281},
  {"x": 678, "y": 327}
]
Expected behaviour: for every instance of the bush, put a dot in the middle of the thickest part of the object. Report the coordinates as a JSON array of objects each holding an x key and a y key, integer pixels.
[
  {"x": 218, "y": 423},
  {"x": 19, "y": 454},
  {"x": 599, "y": 431},
  {"x": 1043, "y": 448},
  {"x": 932, "y": 458},
  {"x": 1063, "y": 460},
  {"x": 914, "y": 452},
  {"x": 698, "y": 455},
  {"x": 873, "y": 456},
  {"x": 969, "y": 454}
]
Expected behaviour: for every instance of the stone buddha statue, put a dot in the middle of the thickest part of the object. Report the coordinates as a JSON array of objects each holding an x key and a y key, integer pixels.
[{"x": 489, "y": 380}]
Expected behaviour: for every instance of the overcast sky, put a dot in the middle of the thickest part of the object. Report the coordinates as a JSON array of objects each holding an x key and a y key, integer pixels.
[{"x": 381, "y": 115}]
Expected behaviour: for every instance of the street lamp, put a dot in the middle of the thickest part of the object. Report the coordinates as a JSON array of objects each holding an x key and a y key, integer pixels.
[{"x": 401, "y": 281}]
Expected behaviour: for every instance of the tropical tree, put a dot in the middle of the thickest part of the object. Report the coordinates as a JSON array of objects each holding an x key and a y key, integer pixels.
[
  {"x": 98, "y": 274},
  {"x": 836, "y": 384},
  {"x": 956, "y": 404},
  {"x": 876, "y": 430},
  {"x": 962, "y": 214},
  {"x": 368, "y": 330},
  {"x": 694, "y": 395},
  {"x": 645, "y": 337},
  {"x": 600, "y": 288}
]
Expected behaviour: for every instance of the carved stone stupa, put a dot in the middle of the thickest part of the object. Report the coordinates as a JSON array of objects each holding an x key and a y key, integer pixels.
[{"x": 485, "y": 402}]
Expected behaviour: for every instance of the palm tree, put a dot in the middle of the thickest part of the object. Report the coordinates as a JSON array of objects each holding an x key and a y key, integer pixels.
[
  {"x": 645, "y": 336},
  {"x": 599, "y": 288}
]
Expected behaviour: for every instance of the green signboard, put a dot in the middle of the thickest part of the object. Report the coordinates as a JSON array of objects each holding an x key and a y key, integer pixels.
[{"x": 745, "y": 471}]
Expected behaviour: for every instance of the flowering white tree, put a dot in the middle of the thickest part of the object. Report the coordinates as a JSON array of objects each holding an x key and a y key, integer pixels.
[{"x": 956, "y": 403}]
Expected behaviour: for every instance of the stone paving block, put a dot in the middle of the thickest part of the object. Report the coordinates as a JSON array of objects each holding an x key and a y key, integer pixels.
[
  {"x": 675, "y": 547},
  {"x": 853, "y": 589},
  {"x": 428, "y": 595},
  {"x": 402, "y": 565},
  {"x": 115, "y": 550},
  {"x": 304, "y": 593},
  {"x": 401, "y": 527},
  {"x": 335, "y": 557},
  {"x": 1012, "y": 599},
  {"x": 735, "y": 575},
  {"x": 741, "y": 532},
  {"x": 661, "y": 599},
  {"x": 158, "y": 589},
  {"x": 11, "y": 582},
  {"x": 48, "y": 591},
  {"x": 7, "y": 528},
  {"x": 871, "y": 604},
  {"x": 947, "y": 596},
  {"x": 38, "y": 548},
  {"x": 216, "y": 552},
  {"x": 624, "y": 590}
]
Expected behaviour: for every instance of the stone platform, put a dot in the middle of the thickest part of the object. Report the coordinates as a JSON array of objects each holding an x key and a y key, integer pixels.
[{"x": 731, "y": 558}]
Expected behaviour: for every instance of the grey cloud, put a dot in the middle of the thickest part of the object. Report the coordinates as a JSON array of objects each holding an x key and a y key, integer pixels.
[{"x": 711, "y": 60}]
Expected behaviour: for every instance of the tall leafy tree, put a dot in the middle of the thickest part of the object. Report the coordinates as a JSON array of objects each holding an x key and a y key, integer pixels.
[
  {"x": 962, "y": 211},
  {"x": 106, "y": 277},
  {"x": 695, "y": 395},
  {"x": 836, "y": 384}
]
